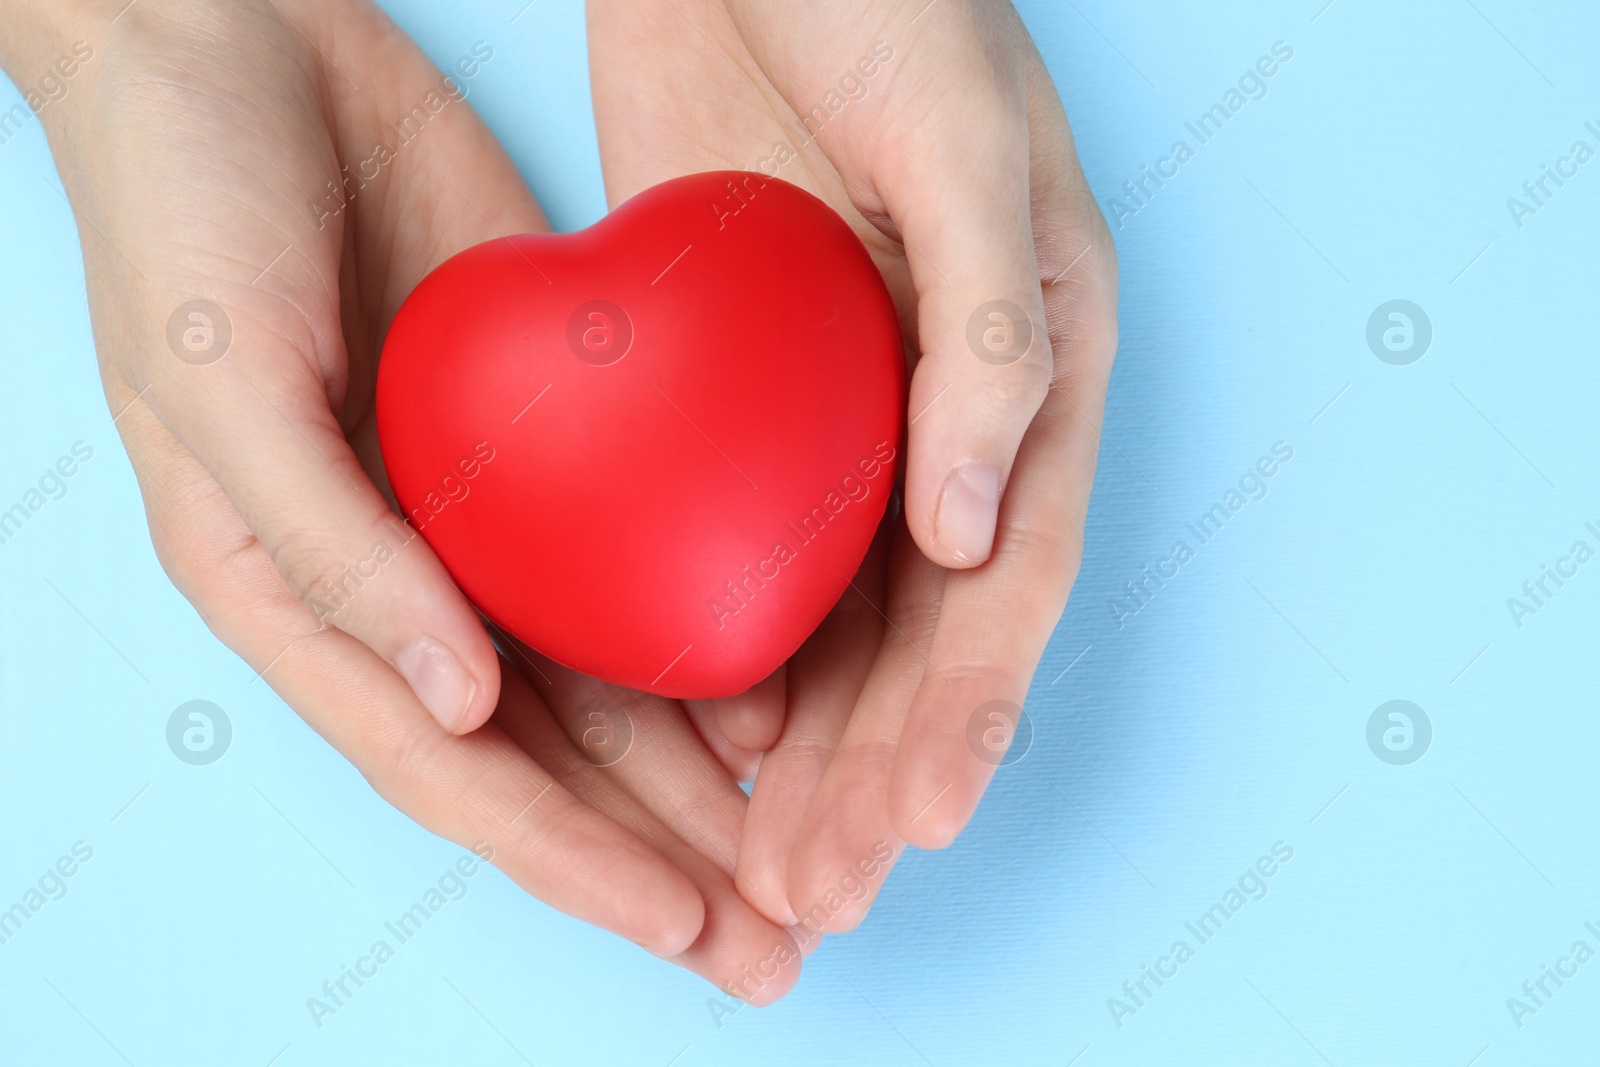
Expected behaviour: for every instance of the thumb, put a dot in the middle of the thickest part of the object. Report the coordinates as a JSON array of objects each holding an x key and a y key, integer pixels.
[
  {"x": 960, "y": 199},
  {"x": 947, "y": 174}
]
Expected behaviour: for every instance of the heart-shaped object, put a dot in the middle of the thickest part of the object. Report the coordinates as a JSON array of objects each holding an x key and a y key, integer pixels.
[{"x": 655, "y": 450}]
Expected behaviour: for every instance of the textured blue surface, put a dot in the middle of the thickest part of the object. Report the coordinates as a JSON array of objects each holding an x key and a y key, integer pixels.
[{"x": 1227, "y": 715}]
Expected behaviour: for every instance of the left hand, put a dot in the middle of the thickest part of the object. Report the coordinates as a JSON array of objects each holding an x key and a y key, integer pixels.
[
  {"x": 937, "y": 133},
  {"x": 301, "y": 164}
]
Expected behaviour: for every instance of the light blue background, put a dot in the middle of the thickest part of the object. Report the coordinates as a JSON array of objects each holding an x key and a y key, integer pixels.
[{"x": 1224, "y": 717}]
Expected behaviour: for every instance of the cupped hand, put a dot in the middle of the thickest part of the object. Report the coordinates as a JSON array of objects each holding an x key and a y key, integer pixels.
[
  {"x": 934, "y": 128},
  {"x": 258, "y": 186}
]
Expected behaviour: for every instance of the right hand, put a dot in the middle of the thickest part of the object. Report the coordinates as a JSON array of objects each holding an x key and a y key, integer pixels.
[{"x": 197, "y": 148}]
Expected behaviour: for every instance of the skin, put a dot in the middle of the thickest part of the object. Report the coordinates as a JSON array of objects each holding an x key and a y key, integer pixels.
[
  {"x": 190, "y": 149},
  {"x": 956, "y": 168}
]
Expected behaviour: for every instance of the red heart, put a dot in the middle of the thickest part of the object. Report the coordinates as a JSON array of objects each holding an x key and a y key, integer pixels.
[{"x": 655, "y": 450}]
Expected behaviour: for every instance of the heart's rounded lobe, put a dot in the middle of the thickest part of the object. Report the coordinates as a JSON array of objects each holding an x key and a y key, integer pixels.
[{"x": 655, "y": 450}]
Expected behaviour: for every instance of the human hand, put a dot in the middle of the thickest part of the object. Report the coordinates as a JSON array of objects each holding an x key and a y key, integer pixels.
[
  {"x": 203, "y": 148},
  {"x": 935, "y": 130}
]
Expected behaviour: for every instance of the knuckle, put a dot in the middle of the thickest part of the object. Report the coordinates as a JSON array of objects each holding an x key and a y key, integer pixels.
[
  {"x": 869, "y": 758},
  {"x": 1083, "y": 286},
  {"x": 540, "y": 831},
  {"x": 1043, "y": 558},
  {"x": 315, "y": 572},
  {"x": 973, "y": 675},
  {"x": 1023, "y": 385},
  {"x": 223, "y": 572},
  {"x": 328, "y": 579},
  {"x": 913, "y": 609},
  {"x": 407, "y": 757},
  {"x": 1085, "y": 343},
  {"x": 805, "y": 749}
]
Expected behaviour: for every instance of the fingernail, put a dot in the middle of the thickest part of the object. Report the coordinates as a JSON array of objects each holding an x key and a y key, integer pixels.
[
  {"x": 437, "y": 677},
  {"x": 968, "y": 506}
]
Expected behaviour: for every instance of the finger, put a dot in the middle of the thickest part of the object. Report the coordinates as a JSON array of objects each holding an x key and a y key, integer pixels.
[
  {"x": 825, "y": 679},
  {"x": 258, "y": 412},
  {"x": 442, "y": 182},
  {"x": 740, "y": 764},
  {"x": 846, "y": 841},
  {"x": 478, "y": 790},
  {"x": 261, "y": 424},
  {"x": 994, "y": 622},
  {"x": 263, "y": 420},
  {"x": 753, "y": 719},
  {"x": 738, "y": 950},
  {"x": 962, "y": 206},
  {"x": 947, "y": 173},
  {"x": 678, "y": 781}
]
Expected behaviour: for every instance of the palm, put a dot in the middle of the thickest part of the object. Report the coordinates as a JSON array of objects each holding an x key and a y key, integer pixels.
[
  {"x": 224, "y": 190},
  {"x": 683, "y": 67},
  {"x": 960, "y": 197},
  {"x": 630, "y": 757}
]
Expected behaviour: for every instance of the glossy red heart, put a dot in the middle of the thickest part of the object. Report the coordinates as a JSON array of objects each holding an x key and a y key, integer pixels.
[{"x": 655, "y": 450}]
